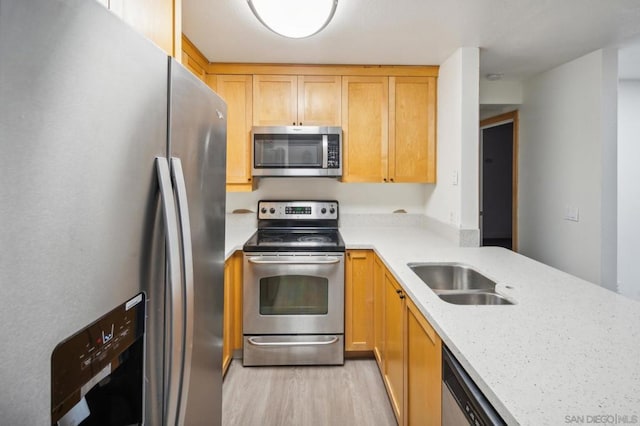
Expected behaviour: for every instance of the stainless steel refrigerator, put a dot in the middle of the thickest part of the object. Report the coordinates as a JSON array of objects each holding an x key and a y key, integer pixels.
[{"x": 112, "y": 177}]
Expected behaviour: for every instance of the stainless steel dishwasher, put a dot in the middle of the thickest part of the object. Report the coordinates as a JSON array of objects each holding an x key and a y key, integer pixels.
[{"x": 462, "y": 402}]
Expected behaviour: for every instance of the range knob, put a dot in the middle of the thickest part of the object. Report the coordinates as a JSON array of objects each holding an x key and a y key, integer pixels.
[
  {"x": 323, "y": 211},
  {"x": 272, "y": 210},
  {"x": 263, "y": 210},
  {"x": 332, "y": 210}
]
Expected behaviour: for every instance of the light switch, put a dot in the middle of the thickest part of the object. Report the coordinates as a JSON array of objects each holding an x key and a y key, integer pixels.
[
  {"x": 454, "y": 178},
  {"x": 572, "y": 213}
]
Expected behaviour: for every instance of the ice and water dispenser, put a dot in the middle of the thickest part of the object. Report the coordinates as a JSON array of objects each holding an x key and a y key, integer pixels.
[{"x": 97, "y": 374}]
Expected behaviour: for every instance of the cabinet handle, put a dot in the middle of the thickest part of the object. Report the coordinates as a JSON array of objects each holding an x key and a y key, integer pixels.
[
  {"x": 294, "y": 123},
  {"x": 391, "y": 179},
  {"x": 399, "y": 291},
  {"x": 402, "y": 296},
  {"x": 384, "y": 179}
]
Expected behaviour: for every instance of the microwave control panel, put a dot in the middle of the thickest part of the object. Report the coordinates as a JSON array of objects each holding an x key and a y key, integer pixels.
[{"x": 333, "y": 153}]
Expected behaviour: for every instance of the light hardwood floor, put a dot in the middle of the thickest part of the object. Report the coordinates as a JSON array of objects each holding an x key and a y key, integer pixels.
[{"x": 281, "y": 396}]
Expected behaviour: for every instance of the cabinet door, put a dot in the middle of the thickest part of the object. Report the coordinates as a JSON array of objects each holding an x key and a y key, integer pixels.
[
  {"x": 275, "y": 100},
  {"x": 394, "y": 344},
  {"x": 193, "y": 66},
  {"x": 154, "y": 19},
  {"x": 237, "y": 340},
  {"x": 378, "y": 311},
  {"x": 232, "y": 316},
  {"x": 319, "y": 101},
  {"x": 424, "y": 370},
  {"x": 236, "y": 90},
  {"x": 412, "y": 135},
  {"x": 227, "y": 319},
  {"x": 365, "y": 121},
  {"x": 193, "y": 59},
  {"x": 359, "y": 301}
]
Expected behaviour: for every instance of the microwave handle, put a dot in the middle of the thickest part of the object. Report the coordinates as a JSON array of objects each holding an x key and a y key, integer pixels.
[{"x": 325, "y": 151}]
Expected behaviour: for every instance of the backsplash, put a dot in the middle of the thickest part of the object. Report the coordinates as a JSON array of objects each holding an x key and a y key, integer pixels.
[{"x": 360, "y": 198}]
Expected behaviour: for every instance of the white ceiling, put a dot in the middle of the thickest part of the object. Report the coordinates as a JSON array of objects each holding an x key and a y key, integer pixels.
[{"x": 517, "y": 37}]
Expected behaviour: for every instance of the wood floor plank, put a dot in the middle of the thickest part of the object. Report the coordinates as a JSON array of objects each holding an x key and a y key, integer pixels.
[{"x": 352, "y": 394}]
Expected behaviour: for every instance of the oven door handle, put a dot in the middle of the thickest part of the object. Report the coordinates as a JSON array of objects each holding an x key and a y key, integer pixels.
[
  {"x": 308, "y": 261},
  {"x": 254, "y": 341}
]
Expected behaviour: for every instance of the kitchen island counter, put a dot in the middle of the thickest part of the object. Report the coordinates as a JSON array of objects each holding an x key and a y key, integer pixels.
[{"x": 567, "y": 352}]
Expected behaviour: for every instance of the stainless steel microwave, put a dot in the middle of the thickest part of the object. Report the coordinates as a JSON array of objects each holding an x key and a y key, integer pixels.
[{"x": 296, "y": 151}]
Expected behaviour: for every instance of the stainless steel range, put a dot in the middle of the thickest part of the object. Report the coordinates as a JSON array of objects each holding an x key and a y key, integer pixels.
[{"x": 293, "y": 309}]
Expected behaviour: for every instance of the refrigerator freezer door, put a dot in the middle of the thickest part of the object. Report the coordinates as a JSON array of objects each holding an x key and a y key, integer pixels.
[
  {"x": 197, "y": 136},
  {"x": 82, "y": 118}
]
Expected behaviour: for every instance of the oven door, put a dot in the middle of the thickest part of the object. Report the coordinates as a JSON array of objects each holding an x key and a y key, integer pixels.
[{"x": 293, "y": 293}]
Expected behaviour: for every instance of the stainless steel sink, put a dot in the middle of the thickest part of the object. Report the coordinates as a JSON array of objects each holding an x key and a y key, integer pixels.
[
  {"x": 459, "y": 284},
  {"x": 475, "y": 298},
  {"x": 451, "y": 276}
]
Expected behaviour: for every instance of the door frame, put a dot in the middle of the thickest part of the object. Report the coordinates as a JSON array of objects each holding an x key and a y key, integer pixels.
[{"x": 507, "y": 117}]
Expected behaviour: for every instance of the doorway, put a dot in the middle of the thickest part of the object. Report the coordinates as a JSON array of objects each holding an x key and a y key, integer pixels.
[{"x": 499, "y": 181}]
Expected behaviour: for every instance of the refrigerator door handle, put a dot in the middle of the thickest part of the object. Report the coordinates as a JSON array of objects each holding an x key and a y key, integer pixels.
[
  {"x": 180, "y": 187},
  {"x": 174, "y": 324}
]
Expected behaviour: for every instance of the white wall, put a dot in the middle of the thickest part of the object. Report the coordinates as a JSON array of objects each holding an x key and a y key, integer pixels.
[
  {"x": 353, "y": 197},
  {"x": 458, "y": 93},
  {"x": 628, "y": 187},
  {"x": 498, "y": 97},
  {"x": 500, "y": 92},
  {"x": 567, "y": 158}
]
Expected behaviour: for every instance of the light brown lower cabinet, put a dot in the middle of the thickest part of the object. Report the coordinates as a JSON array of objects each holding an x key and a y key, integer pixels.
[
  {"x": 378, "y": 310},
  {"x": 232, "y": 317},
  {"x": 358, "y": 300},
  {"x": 408, "y": 351},
  {"x": 424, "y": 370},
  {"x": 394, "y": 330}
]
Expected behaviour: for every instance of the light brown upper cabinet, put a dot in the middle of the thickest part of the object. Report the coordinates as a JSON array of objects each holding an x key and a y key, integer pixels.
[
  {"x": 286, "y": 100},
  {"x": 389, "y": 126},
  {"x": 236, "y": 90},
  {"x": 158, "y": 20},
  {"x": 412, "y": 129},
  {"x": 365, "y": 118},
  {"x": 193, "y": 59}
]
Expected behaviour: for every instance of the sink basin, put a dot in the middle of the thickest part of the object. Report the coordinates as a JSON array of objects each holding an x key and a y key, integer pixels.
[
  {"x": 451, "y": 276},
  {"x": 475, "y": 298},
  {"x": 458, "y": 284}
]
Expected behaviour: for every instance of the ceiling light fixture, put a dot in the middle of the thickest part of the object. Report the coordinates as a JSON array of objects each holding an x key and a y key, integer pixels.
[{"x": 294, "y": 18}]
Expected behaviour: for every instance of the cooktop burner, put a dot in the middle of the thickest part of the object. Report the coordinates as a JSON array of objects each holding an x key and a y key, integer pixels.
[
  {"x": 296, "y": 226},
  {"x": 295, "y": 240}
]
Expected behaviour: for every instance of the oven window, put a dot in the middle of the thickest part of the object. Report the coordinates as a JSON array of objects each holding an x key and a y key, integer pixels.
[{"x": 294, "y": 295}]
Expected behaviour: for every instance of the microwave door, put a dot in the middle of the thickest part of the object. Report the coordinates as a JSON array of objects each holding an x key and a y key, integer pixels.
[
  {"x": 305, "y": 154},
  {"x": 270, "y": 153}
]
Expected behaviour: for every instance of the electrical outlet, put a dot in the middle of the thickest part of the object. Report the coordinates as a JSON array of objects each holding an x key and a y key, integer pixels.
[{"x": 454, "y": 178}]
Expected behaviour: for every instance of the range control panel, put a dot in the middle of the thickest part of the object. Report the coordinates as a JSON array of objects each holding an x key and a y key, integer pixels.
[{"x": 298, "y": 210}]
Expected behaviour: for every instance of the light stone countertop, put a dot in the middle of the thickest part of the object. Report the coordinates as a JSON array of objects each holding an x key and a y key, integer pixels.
[{"x": 567, "y": 348}]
